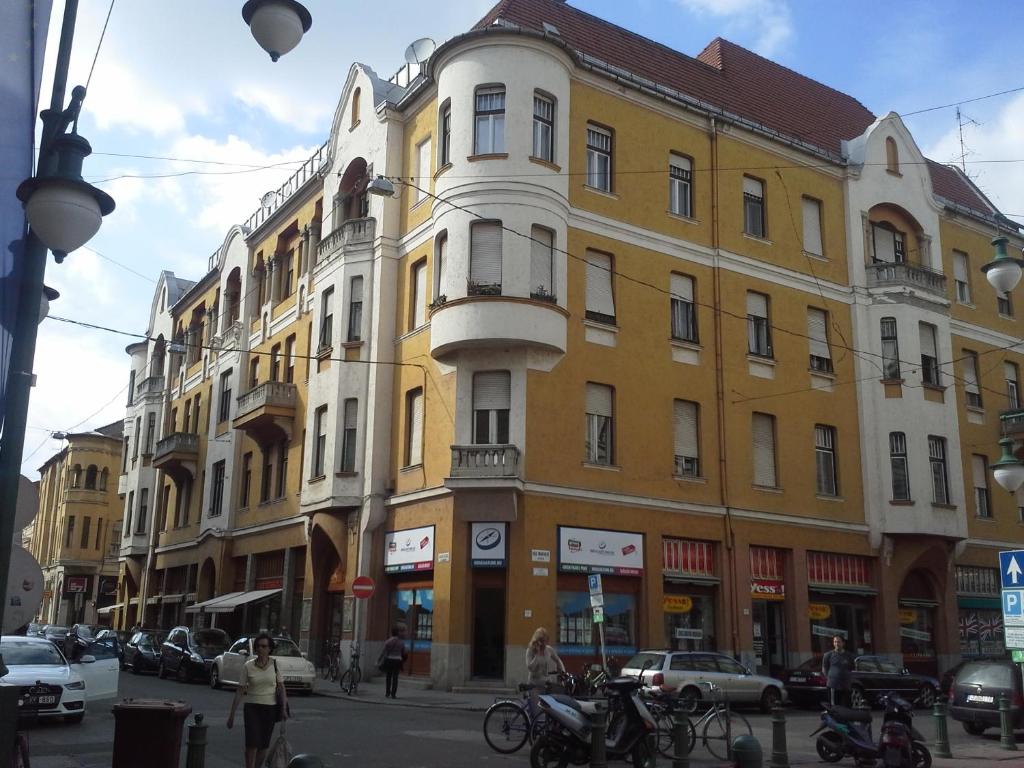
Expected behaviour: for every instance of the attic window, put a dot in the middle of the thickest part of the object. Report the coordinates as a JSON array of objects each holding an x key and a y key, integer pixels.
[
  {"x": 892, "y": 156},
  {"x": 550, "y": 29}
]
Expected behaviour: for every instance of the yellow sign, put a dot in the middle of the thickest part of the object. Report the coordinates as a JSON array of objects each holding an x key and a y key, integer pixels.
[
  {"x": 677, "y": 604},
  {"x": 907, "y": 615},
  {"x": 819, "y": 611}
]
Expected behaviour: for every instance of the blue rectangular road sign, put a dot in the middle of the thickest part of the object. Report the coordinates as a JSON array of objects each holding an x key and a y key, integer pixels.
[
  {"x": 1013, "y": 603},
  {"x": 1011, "y": 568},
  {"x": 594, "y": 582}
]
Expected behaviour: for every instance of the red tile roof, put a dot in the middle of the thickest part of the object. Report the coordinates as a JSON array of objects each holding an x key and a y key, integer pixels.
[{"x": 726, "y": 76}]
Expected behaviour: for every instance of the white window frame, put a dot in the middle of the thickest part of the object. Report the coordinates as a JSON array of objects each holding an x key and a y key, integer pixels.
[
  {"x": 600, "y": 287},
  {"x": 682, "y": 308},
  {"x": 485, "y": 257},
  {"x": 544, "y": 126},
  {"x": 759, "y": 325},
  {"x": 600, "y": 424},
  {"x": 812, "y": 220},
  {"x": 686, "y": 438},
  {"x": 319, "y": 443},
  {"x": 755, "y": 222},
  {"x": 492, "y": 402},
  {"x": 414, "y": 408},
  {"x": 355, "y": 308},
  {"x": 827, "y": 477},
  {"x": 350, "y": 423},
  {"x": 489, "y": 120},
  {"x": 763, "y": 450},
  {"x": 937, "y": 465},
  {"x": 889, "y": 333},
  {"x": 972, "y": 386},
  {"x": 441, "y": 265},
  {"x": 1012, "y": 373},
  {"x": 600, "y": 149},
  {"x": 542, "y": 263},
  {"x": 326, "y": 337},
  {"x": 418, "y": 299},
  {"x": 962, "y": 277},
  {"x": 898, "y": 466},
  {"x": 982, "y": 495},
  {"x": 820, "y": 357},
  {"x": 680, "y": 185},
  {"x": 930, "y": 372},
  {"x": 422, "y": 170}
]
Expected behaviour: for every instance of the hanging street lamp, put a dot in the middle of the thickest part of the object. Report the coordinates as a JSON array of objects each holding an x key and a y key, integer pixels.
[
  {"x": 1009, "y": 470},
  {"x": 1004, "y": 271},
  {"x": 277, "y": 25}
]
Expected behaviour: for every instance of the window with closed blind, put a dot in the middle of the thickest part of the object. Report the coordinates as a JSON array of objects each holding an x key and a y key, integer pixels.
[
  {"x": 937, "y": 464},
  {"x": 600, "y": 296},
  {"x": 485, "y": 259},
  {"x": 812, "y": 226},
  {"x": 961, "y": 277},
  {"x": 888, "y": 244},
  {"x": 763, "y": 439},
  {"x": 759, "y": 334},
  {"x": 1012, "y": 388},
  {"x": 825, "y": 459},
  {"x": 491, "y": 404},
  {"x": 979, "y": 470},
  {"x": 599, "y": 424},
  {"x": 929, "y": 355},
  {"x": 348, "y": 438},
  {"x": 542, "y": 278},
  {"x": 898, "y": 466},
  {"x": 441, "y": 266},
  {"x": 817, "y": 333},
  {"x": 680, "y": 185},
  {"x": 753, "y": 207},
  {"x": 418, "y": 300},
  {"x": 686, "y": 460},
  {"x": 422, "y": 170},
  {"x": 683, "y": 313},
  {"x": 414, "y": 427},
  {"x": 890, "y": 349},
  {"x": 972, "y": 389}
]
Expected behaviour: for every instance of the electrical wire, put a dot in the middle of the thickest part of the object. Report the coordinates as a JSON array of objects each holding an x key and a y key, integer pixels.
[{"x": 99, "y": 45}]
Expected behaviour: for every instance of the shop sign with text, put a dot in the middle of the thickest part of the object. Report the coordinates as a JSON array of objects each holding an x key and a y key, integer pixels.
[
  {"x": 488, "y": 545},
  {"x": 409, "y": 550},
  {"x": 819, "y": 611},
  {"x": 677, "y": 604},
  {"x": 589, "y": 550},
  {"x": 767, "y": 589}
]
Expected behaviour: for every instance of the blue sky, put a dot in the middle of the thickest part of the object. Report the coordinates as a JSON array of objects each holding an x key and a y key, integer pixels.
[{"x": 184, "y": 79}]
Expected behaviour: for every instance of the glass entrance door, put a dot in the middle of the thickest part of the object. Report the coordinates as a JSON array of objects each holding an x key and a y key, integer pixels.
[
  {"x": 769, "y": 636},
  {"x": 413, "y": 609}
]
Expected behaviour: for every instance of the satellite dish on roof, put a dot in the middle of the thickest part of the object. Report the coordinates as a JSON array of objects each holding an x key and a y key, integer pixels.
[
  {"x": 28, "y": 503},
  {"x": 420, "y": 50},
  {"x": 268, "y": 199},
  {"x": 24, "y": 590}
]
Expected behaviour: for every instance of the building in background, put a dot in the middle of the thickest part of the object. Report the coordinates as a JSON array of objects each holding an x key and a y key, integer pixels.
[
  {"x": 76, "y": 532},
  {"x": 702, "y": 325}
]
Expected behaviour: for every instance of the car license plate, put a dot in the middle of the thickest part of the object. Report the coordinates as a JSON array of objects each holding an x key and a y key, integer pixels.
[
  {"x": 38, "y": 701},
  {"x": 797, "y": 679},
  {"x": 980, "y": 699},
  {"x": 292, "y": 679}
]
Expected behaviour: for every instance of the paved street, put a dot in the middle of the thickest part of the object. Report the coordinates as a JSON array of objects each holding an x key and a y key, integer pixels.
[{"x": 419, "y": 730}]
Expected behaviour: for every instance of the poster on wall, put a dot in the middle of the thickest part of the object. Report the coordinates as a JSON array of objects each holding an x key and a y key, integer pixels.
[
  {"x": 488, "y": 546},
  {"x": 590, "y": 550},
  {"x": 409, "y": 550}
]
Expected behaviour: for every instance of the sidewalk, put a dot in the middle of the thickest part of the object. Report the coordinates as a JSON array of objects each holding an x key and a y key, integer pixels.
[{"x": 410, "y": 694}]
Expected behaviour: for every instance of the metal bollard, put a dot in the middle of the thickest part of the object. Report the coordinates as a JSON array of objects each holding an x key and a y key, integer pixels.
[
  {"x": 1006, "y": 740},
  {"x": 941, "y": 731},
  {"x": 680, "y": 743},
  {"x": 780, "y": 753},
  {"x": 746, "y": 752},
  {"x": 196, "y": 755},
  {"x": 598, "y": 727}
]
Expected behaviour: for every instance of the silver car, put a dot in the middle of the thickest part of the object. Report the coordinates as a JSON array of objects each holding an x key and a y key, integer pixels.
[{"x": 685, "y": 671}]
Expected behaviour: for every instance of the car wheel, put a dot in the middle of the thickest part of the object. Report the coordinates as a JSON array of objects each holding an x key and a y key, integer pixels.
[
  {"x": 975, "y": 729},
  {"x": 770, "y": 699},
  {"x": 74, "y": 719},
  {"x": 925, "y": 696},
  {"x": 161, "y": 670},
  {"x": 689, "y": 698},
  {"x": 214, "y": 677},
  {"x": 858, "y": 699}
]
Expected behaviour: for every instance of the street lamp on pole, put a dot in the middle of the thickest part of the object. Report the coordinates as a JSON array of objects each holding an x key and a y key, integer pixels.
[
  {"x": 1004, "y": 271},
  {"x": 1009, "y": 470}
]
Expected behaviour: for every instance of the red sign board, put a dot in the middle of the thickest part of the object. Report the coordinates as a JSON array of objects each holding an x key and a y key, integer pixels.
[
  {"x": 362, "y": 587},
  {"x": 76, "y": 584}
]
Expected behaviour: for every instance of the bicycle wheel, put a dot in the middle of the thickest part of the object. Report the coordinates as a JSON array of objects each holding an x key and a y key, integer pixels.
[
  {"x": 717, "y": 740},
  {"x": 334, "y": 670},
  {"x": 346, "y": 682},
  {"x": 506, "y": 727},
  {"x": 357, "y": 676},
  {"x": 538, "y": 726},
  {"x": 666, "y": 733}
]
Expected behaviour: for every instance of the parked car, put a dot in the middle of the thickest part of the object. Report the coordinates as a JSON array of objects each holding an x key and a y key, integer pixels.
[
  {"x": 118, "y": 636},
  {"x": 190, "y": 652},
  {"x": 51, "y": 687},
  {"x": 946, "y": 681},
  {"x": 686, "y": 670},
  {"x": 872, "y": 676},
  {"x": 55, "y": 633},
  {"x": 297, "y": 671},
  {"x": 34, "y": 630},
  {"x": 976, "y": 691},
  {"x": 142, "y": 651}
]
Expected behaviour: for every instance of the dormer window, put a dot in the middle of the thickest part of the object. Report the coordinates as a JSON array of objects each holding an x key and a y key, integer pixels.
[
  {"x": 355, "y": 108},
  {"x": 892, "y": 156}
]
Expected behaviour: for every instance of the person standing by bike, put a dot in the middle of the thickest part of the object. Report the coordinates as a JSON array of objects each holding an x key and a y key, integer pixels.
[
  {"x": 540, "y": 657},
  {"x": 392, "y": 656},
  {"x": 837, "y": 667}
]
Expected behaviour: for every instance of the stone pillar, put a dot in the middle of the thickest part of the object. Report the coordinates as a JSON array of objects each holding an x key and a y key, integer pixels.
[
  {"x": 314, "y": 237},
  {"x": 798, "y": 625},
  {"x": 275, "y": 279},
  {"x": 307, "y": 258},
  {"x": 288, "y": 591}
]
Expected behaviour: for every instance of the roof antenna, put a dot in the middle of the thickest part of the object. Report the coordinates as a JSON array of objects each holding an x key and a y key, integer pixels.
[{"x": 960, "y": 120}]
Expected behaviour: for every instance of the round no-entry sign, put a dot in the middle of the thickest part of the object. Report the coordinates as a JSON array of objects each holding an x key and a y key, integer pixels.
[{"x": 362, "y": 587}]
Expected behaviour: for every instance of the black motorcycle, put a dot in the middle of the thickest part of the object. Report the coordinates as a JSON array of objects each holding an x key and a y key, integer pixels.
[{"x": 846, "y": 732}]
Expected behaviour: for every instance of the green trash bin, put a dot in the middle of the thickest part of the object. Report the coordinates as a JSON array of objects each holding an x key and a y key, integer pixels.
[{"x": 148, "y": 732}]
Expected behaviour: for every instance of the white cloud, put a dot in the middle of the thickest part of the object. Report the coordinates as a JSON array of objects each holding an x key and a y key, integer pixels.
[
  {"x": 298, "y": 111},
  {"x": 999, "y": 137},
  {"x": 769, "y": 20}
]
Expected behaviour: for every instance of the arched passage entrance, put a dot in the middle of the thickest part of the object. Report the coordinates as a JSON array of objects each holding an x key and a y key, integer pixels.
[
  {"x": 921, "y": 621},
  {"x": 206, "y": 585},
  {"x": 328, "y": 617}
]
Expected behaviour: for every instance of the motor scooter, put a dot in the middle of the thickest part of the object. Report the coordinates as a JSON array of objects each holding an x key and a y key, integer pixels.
[
  {"x": 847, "y": 732},
  {"x": 566, "y": 738}
]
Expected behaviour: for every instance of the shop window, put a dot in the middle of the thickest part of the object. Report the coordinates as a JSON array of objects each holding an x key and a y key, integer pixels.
[
  {"x": 689, "y": 620},
  {"x": 577, "y": 635},
  {"x": 413, "y": 610}
]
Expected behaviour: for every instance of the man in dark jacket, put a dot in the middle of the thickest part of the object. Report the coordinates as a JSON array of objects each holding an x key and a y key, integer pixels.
[{"x": 837, "y": 667}]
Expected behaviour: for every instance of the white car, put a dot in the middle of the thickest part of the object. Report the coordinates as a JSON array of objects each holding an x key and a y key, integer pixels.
[
  {"x": 688, "y": 672},
  {"x": 49, "y": 685},
  {"x": 298, "y": 672}
]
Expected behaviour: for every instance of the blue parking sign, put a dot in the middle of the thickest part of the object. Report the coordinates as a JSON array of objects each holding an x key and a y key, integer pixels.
[
  {"x": 1011, "y": 568},
  {"x": 1013, "y": 602}
]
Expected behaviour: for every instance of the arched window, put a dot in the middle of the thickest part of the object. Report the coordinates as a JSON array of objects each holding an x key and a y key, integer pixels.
[
  {"x": 90, "y": 477},
  {"x": 76, "y": 476},
  {"x": 355, "y": 107},
  {"x": 892, "y": 155},
  {"x": 103, "y": 479}
]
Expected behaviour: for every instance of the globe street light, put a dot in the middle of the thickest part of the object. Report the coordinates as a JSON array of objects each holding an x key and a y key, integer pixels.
[
  {"x": 277, "y": 25},
  {"x": 1008, "y": 471},
  {"x": 1004, "y": 271}
]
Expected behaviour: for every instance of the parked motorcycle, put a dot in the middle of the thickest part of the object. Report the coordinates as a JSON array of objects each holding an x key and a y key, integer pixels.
[
  {"x": 847, "y": 732},
  {"x": 566, "y": 739}
]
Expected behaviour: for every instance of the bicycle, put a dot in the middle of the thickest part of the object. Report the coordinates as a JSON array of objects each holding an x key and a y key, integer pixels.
[
  {"x": 350, "y": 680},
  {"x": 720, "y": 725},
  {"x": 666, "y": 709},
  {"x": 331, "y": 660},
  {"x": 510, "y": 723}
]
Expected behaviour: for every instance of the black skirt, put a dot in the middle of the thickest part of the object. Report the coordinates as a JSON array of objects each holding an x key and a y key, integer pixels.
[{"x": 259, "y": 724}]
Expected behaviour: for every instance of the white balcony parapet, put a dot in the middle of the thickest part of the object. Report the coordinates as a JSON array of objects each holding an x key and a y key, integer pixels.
[
  {"x": 351, "y": 232},
  {"x": 885, "y": 273},
  {"x": 485, "y": 461},
  {"x": 269, "y": 393},
  {"x": 177, "y": 442},
  {"x": 151, "y": 385}
]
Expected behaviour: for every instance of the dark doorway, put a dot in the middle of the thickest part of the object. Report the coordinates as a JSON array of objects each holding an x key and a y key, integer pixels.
[
  {"x": 489, "y": 631},
  {"x": 769, "y": 636}
]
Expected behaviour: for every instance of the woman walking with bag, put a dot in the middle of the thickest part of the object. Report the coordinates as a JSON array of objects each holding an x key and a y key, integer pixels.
[
  {"x": 266, "y": 702},
  {"x": 392, "y": 656}
]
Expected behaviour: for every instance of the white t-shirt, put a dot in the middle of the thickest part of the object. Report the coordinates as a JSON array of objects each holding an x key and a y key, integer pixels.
[{"x": 260, "y": 685}]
